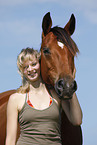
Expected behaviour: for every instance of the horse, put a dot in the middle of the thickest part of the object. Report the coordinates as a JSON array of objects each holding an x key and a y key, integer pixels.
[
  {"x": 56, "y": 47},
  {"x": 57, "y": 56},
  {"x": 58, "y": 69}
]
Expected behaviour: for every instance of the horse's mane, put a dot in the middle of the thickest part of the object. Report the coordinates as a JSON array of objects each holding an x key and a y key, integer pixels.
[{"x": 64, "y": 37}]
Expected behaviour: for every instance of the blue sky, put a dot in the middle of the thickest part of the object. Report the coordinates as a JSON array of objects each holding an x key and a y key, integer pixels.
[{"x": 20, "y": 27}]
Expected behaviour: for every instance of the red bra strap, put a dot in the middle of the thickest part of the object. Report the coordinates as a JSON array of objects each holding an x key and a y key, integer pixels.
[
  {"x": 50, "y": 101},
  {"x": 28, "y": 101},
  {"x": 30, "y": 104}
]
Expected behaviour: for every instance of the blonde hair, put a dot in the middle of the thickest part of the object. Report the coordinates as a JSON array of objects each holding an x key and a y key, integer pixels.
[{"x": 25, "y": 54}]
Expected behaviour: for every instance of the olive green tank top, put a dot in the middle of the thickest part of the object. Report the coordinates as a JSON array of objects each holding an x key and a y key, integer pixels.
[{"x": 39, "y": 127}]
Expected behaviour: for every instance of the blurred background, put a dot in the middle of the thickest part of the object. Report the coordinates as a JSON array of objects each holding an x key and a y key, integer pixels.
[{"x": 20, "y": 27}]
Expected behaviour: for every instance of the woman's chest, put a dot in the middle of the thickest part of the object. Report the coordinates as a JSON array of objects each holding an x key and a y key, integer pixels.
[{"x": 34, "y": 115}]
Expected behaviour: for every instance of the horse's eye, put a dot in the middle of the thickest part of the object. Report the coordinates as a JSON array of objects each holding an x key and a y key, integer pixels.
[{"x": 46, "y": 50}]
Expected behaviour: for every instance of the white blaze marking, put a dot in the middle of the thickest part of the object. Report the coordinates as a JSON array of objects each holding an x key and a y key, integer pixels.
[{"x": 60, "y": 44}]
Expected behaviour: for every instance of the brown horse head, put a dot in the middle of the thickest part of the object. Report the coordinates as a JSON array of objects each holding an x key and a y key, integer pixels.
[{"x": 57, "y": 56}]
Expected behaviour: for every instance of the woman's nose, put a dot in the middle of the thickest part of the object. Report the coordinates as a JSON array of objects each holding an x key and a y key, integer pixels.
[{"x": 29, "y": 68}]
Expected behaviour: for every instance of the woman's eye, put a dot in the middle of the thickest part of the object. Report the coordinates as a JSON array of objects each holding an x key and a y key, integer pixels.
[
  {"x": 34, "y": 64},
  {"x": 25, "y": 67}
]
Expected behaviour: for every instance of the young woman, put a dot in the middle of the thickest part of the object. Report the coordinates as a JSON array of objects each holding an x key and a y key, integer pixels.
[{"x": 36, "y": 108}]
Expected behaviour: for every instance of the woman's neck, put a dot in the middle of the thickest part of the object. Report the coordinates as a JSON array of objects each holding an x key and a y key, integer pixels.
[{"x": 37, "y": 85}]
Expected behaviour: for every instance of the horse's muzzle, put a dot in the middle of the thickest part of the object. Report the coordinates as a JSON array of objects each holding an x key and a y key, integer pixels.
[{"x": 65, "y": 87}]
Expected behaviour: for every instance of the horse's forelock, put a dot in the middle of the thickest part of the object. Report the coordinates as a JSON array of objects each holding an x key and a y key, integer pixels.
[{"x": 63, "y": 37}]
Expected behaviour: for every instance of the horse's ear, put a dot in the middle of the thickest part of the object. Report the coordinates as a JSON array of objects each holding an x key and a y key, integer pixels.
[
  {"x": 46, "y": 23},
  {"x": 70, "y": 26}
]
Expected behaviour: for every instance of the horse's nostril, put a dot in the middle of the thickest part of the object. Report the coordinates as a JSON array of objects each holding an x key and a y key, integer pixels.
[
  {"x": 74, "y": 85},
  {"x": 65, "y": 87},
  {"x": 60, "y": 83},
  {"x": 59, "y": 87}
]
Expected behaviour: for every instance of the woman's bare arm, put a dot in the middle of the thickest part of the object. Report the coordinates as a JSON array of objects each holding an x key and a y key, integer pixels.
[
  {"x": 12, "y": 115},
  {"x": 73, "y": 110}
]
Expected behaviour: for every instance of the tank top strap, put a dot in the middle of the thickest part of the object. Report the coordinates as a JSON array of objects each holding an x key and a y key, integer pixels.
[
  {"x": 50, "y": 94},
  {"x": 48, "y": 89},
  {"x": 28, "y": 100}
]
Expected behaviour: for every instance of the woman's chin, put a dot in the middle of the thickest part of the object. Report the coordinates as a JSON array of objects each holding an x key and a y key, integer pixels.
[{"x": 34, "y": 78}]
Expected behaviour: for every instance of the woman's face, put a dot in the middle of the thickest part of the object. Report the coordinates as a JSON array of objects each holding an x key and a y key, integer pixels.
[{"x": 31, "y": 69}]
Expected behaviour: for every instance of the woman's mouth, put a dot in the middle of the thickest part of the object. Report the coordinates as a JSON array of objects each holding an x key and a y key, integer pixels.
[{"x": 32, "y": 74}]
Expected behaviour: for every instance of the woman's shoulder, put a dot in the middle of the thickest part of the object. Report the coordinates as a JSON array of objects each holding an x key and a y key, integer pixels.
[
  {"x": 16, "y": 100},
  {"x": 16, "y": 97}
]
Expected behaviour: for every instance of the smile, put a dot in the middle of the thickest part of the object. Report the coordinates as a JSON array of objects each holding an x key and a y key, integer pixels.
[{"x": 32, "y": 74}]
